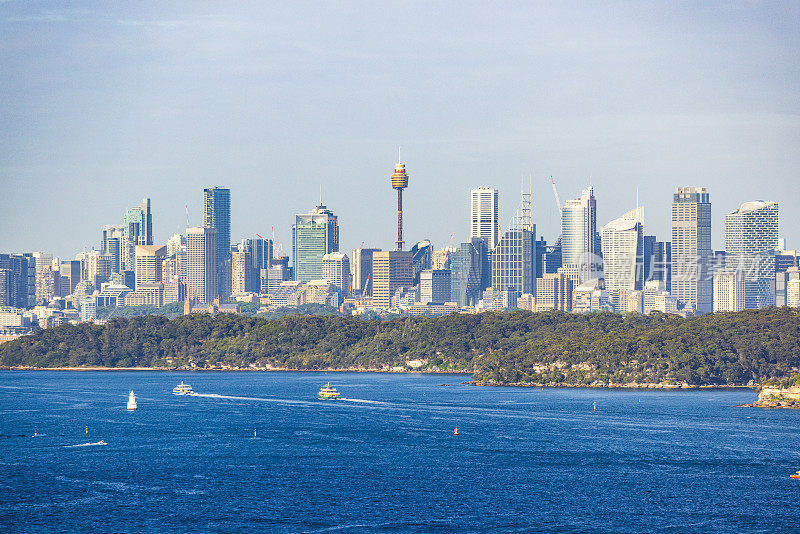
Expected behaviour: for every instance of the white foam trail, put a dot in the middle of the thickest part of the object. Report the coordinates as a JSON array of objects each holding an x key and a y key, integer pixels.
[
  {"x": 257, "y": 399},
  {"x": 95, "y": 444},
  {"x": 365, "y": 401}
]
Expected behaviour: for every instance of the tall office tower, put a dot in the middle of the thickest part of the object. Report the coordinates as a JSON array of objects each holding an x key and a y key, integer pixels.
[
  {"x": 657, "y": 260},
  {"x": 579, "y": 243},
  {"x": 98, "y": 267},
  {"x": 201, "y": 256},
  {"x": 6, "y": 287},
  {"x": 729, "y": 291},
  {"x": 553, "y": 292},
  {"x": 421, "y": 258},
  {"x": 336, "y": 270},
  {"x": 399, "y": 182},
  {"x": 623, "y": 255},
  {"x": 313, "y": 235},
  {"x": 261, "y": 252},
  {"x": 471, "y": 272},
  {"x": 242, "y": 272},
  {"x": 485, "y": 215},
  {"x": 440, "y": 259},
  {"x": 137, "y": 230},
  {"x": 751, "y": 235},
  {"x": 435, "y": 286},
  {"x": 541, "y": 256},
  {"x": 361, "y": 267},
  {"x": 47, "y": 280},
  {"x": 112, "y": 242},
  {"x": 391, "y": 270},
  {"x": 149, "y": 263},
  {"x": 22, "y": 286},
  {"x": 70, "y": 275},
  {"x": 514, "y": 256},
  {"x": 217, "y": 214},
  {"x": 691, "y": 248},
  {"x": 169, "y": 269}
]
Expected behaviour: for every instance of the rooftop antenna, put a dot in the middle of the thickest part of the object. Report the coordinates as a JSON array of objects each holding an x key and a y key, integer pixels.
[
  {"x": 399, "y": 159},
  {"x": 187, "y": 215},
  {"x": 320, "y": 194}
]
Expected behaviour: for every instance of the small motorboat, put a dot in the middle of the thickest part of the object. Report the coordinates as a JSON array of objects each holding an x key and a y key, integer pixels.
[
  {"x": 131, "y": 402},
  {"x": 796, "y": 475}
]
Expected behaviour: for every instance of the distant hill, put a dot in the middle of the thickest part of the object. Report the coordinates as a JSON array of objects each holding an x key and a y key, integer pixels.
[{"x": 553, "y": 348}]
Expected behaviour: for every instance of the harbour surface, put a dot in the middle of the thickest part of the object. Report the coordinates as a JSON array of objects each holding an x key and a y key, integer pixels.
[{"x": 258, "y": 452}]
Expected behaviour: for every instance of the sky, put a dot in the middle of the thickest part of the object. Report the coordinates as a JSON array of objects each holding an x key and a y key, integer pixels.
[{"x": 103, "y": 104}]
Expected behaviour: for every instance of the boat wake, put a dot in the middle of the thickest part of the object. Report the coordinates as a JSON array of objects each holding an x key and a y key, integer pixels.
[
  {"x": 366, "y": 401},
  {"x": 257, "y": 399},
  {"x": 95, "y": 444}
]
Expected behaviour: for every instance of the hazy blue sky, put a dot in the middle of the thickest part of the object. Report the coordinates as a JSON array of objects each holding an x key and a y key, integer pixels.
[{"x": 101, "y": 105}]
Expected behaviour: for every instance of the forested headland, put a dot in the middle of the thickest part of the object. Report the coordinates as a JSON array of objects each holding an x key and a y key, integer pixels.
[{"x": 551, "y": 348}]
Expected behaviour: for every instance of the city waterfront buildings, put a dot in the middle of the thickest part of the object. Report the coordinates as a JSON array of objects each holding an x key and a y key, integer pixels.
[
  {"x": 514, "y": 258},
  {"x": 471, "y": 272},
  {"x": 554, "y": 292},
  {"x": 361, "y": 267},
  {"x": 434, "y": 286},
  {"x": 336, "y": 270}
]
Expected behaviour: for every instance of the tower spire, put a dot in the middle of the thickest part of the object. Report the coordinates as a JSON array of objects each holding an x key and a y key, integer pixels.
[{"x": 399, "y": 180}]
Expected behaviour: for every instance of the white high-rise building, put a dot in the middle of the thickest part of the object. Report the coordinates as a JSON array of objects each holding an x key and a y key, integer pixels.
[
  {"x": 623, "y": 254},
  {"x": 485, "y": 215},
  {"x": 336, "y": 271},
  {"x": 728, "y": 291},
  {"x": 751, "y": 236},
  {"x": 579, "y": 247}
]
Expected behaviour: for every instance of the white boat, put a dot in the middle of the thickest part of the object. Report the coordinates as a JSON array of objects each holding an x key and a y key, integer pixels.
[
  {"x": 131, "y": 401},
  {"x": 182, "y": 389}
]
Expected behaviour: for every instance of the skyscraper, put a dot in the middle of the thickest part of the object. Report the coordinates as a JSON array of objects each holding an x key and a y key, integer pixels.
[
  {"x": 471, "y": 272},
  {"x": 751, "y": 236},
  {"x": 553, "y": 292},
  {"x": 485, "y": 215},
  {"x": 579, "y": 247},
  {"x": 361, "y": 267},
  {"x": 623, "y": 254},
  {"x": 112, "y": 243},
  {"x": 399, "y": 180},
  {"x": 138, "y": 230},
  {"x": 391, "y": 270},
  {"x": 313, "y": 235},
  {"x": 691, "y": 248},
  {"x": 217, "y": 214},
  {"x": 336, "y": 270},
  {"x": 201, "y": 256},
  {"x": 421, "y": 258},
  {"x": 434, "y": 286},
  {"x": 514, "y": 257},
  {"x": 242, "y": 272},
  {"x": 729, "y": 291},
  {"x": 149, "y": 261}
]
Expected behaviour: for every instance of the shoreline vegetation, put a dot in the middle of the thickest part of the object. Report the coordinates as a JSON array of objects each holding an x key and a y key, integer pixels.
[{"x": 748, "y": 349}]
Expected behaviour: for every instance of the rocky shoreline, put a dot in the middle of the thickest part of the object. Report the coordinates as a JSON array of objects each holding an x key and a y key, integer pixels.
[
  {"x": 775, "y": 397},
  {"x": 633, "y": 385}
]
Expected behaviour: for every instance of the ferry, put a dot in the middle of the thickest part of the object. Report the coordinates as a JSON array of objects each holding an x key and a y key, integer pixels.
[
  {"x": 131, "y": 401},
  {"x": 796, "y": 475},
  {"x": 328, "y": 392},
  {"x": 182, "y": 389}
]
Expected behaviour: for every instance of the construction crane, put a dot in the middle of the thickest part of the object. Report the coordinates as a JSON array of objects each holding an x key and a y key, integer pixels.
[
  {"x": 555, "y": 193},
  {"x": 447, "y": 249},
  {"x": 364, "y": 289}
]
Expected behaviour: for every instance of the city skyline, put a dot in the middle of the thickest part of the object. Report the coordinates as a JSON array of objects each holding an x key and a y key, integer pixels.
[{"x": 602, "y": 91}]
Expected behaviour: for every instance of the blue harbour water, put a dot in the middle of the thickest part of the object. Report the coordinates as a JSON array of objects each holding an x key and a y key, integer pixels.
[{"x": 385, "y": 459}]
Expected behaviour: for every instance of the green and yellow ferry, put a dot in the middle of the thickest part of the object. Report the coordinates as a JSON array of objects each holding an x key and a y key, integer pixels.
[{"x": 328, "y": 392}]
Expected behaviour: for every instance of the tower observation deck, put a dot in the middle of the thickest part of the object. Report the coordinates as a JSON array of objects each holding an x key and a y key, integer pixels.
[{"x": 399, "y": 182}]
